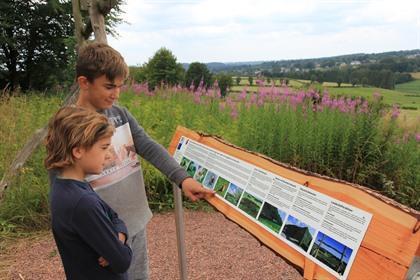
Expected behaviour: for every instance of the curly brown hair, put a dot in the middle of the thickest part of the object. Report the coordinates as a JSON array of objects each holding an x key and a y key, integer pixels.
[{"x": 73, "y": 127}]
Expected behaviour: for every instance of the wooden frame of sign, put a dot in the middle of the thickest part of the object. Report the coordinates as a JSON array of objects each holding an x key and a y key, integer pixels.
[{"x": 390, "y": 243}]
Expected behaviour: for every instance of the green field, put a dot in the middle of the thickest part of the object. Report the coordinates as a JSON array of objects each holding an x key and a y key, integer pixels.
[
  {"x": 390, "y": 97},
  {"x": 412, "y": 87},
  {"x": 406, "y": 95}
]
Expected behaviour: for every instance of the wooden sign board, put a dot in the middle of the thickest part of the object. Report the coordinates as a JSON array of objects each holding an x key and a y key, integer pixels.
[{"x": 383, "y": 234}]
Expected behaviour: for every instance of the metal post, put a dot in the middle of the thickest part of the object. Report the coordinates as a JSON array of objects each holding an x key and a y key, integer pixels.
[{"x": 179, "y": 222}]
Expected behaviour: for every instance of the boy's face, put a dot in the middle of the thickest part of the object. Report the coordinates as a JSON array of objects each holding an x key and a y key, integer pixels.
[
  {"x": 99, "y": 94},
  {"x": 94, "y": 159}
]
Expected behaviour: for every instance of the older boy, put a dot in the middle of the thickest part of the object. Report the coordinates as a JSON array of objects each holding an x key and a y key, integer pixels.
[
  {"x": 101, "y": 72},
  {"x": 90, "y": 237}
]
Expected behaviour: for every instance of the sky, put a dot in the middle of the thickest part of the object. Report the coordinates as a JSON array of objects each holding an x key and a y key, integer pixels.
[{"x": 244, "y": 30}]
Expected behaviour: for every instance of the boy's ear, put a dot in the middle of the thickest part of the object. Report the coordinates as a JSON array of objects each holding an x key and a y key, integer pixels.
[
  {"x": 77, "y": 152},
  {"x": 83, "y": 82}
]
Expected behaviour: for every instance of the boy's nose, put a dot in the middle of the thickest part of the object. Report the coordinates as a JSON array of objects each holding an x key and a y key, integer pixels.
[
  {"x": 108, "y": 155},
  {"x": 116, "y": 92}
]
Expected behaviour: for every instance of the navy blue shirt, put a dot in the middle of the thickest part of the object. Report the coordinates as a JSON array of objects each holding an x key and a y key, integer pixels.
[{"x": 86, "y": 228}]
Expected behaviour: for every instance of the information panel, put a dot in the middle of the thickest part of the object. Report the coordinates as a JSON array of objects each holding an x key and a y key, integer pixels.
[{"x": 322, "y": 228}]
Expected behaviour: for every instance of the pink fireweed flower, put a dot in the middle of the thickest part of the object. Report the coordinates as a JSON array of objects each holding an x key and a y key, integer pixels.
[
  {"x": 417, "y": 137},
  {"x": 242, "y": 95},
  {"x": 197, "y": 98},
  {"x": 309, "y": 93},
  {"x": 218, "y": 93},
  {"x": 286, "y": 91},
  {"x": 275, "y": 93},
  {"x": 364, "y": 108},
  {"x": 319, "y": 107},
  {"x": 201, "y": 83},
  {"x": 282, "y": 98},
  {"x": 216, "y": 84},
  {"x": 300, "y": 97},
  {"x": 395, "y": 111},
  {"x": 234, "y": 113},
  {"x": 351, "y": 105},
  {"x": 259, "y": 83},
  {"x": 253, "y": 98},
  {"x": 229, "y": 102},
  {"x": 326, "y": 101},
  {"x": 377, "y": 96}
]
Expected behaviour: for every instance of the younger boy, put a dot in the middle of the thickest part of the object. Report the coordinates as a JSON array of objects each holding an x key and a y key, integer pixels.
[{"x": 89, "y": 235}]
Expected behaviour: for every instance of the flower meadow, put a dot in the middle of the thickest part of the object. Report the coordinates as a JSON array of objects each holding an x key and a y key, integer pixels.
[
  {"x": 347, "y": 138},
  {"x": 352, "y": 139}
]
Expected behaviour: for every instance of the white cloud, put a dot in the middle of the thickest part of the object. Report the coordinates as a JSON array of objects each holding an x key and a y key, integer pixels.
[{"x": 267, "y": 29}]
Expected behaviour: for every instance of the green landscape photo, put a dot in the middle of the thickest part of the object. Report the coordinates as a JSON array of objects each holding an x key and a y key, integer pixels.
[
  {"x": 272, "y": 217},
  {"x": 184, "y": 162},
  {"x": 250, "y": 204},
  {"x": 233, "y": 194},
  {"x": 298, "y": 232},
  {"x": 192, "y": 168},
  {"x": 331, "y": 252}
]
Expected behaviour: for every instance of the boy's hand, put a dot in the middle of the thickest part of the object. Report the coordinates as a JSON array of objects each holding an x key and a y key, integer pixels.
[
  {"x": 122, "y": 237},
  {"x": 103, "y": 262},
  {"x": 194, "y": 190}
]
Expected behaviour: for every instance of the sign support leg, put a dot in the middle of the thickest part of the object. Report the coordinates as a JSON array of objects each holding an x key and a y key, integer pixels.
[{"x": 179, "y": 222}]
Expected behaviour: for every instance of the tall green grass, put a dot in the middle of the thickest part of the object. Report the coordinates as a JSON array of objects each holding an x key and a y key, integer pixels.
[
  {"x": 25, "y": 204},
  {"x": 368, "y": 149}
]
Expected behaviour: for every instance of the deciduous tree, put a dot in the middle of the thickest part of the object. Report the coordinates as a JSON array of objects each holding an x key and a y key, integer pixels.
[
  {"x": 196, "y": 73},
  {"x": 163, "y": 68}
]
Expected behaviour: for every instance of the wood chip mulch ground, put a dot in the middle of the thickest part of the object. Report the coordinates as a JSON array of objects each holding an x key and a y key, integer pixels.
[{"x": 216, "y": 249}]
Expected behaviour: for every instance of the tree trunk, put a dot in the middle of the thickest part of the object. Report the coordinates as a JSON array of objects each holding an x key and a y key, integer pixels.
[
  {"x": 97, "y": 13},
  {"x": 98, "y": 22},
  {"x": 78, "y": 24}
]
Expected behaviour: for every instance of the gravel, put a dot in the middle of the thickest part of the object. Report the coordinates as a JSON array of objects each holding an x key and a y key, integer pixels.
[{"x": 216, "y": 248}]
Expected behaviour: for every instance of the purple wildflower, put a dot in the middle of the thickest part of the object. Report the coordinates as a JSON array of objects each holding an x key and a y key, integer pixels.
[{"x": 395, "y": 111}]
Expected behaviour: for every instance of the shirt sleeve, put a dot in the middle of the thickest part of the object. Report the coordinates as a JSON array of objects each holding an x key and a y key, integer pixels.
[
  {"x": 155, "y": 153},
  {"x": 95, "y": 227},
  {"x": 119, "y": 224}
]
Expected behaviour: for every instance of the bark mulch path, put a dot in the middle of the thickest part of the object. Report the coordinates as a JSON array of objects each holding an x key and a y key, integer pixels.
[{"x": 216, "y": 249}]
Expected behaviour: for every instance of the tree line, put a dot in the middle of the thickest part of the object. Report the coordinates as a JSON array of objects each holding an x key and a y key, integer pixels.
[
  {"x": 386, "y": 73},
  {"x": 37, "y": 43},
  {"x": 163, "y": 70}
]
